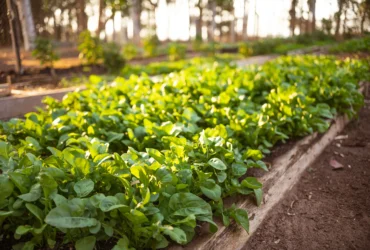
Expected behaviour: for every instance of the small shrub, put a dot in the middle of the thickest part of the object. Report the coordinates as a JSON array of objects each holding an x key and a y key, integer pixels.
[
  {"x": 210, "y": 48},
  {"x": 112, "y": 58},
  {"x": 90, "y": 48},
  {"x": 150, "y": 46},
  {"x": 197, "y": 44},
  {"x": 245, "y": 50},
  {"x": 45, "y": 52},
  {"x": 176, "y": 51},
  {"x": 130, "y": 51},
  {"x": 352, "y": 46}
]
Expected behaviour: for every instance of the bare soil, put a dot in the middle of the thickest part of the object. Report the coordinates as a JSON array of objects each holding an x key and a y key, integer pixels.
[{"x": 327, "y": 209}]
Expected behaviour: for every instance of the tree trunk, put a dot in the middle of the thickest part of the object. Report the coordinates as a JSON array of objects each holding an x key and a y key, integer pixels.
[
  {"x": 199, "y": 23},
  {"x": 245, "y": 21},
  {"x": 135, "y": 12},
  {"x": 363, "y": 19},
  {"x": 338, "y": 17},
  {"x": 14, "y": 37},
  {"x": 344, "y": 28},
  {"x": 232, "y": 27},
  {"x": 293, "y": 18},
  {"x": 28, "y": 27},
  {"x": 313, "y": 11},
  {"x": 100, "y": 17},
  {"x": 213, "y": 22},
  {"x": 124, "y": 30},
  {"x": 81, "y": 16}
]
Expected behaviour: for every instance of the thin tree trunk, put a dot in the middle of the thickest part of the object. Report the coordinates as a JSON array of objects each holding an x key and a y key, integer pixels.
[
  {"x": 338, "y": 17},
  {"x": 232, "y": 27},
  {"x": 114, "y": 27},
  {"x": 313, "y": 11},
  {"x": 28, "y": 27},
  {"x": 14, "y": 37},
  {"x": 345, "y": 22},
  {"x": 135, "y": 12},
  {"x": 245, "y": 21},
  {"x": 199, "y": 23},
  {"x": 124, "y": 30},
  {"x": 81, "y": 15},
  {"x": 293, "y": 18},
  {"x": 100, "y": 18},
  {"x": 213, "y": 22},
  {"x": 363, "y": 19}
]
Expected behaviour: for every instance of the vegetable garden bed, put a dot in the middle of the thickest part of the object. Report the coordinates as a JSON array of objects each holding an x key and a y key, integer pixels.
[
  {"x": 23, "y": 102},
  {"x": 144, "y": 162},
  {"x": 284, "y": 173}
]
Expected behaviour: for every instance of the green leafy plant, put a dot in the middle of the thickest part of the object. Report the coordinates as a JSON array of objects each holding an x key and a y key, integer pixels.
[
  {"x": 197, "y": 44},
  {"x": 245, "y": 50},
  {"x": 45, "y": 52},
  {"x": 150, "y": 45},
  {"x": 112, "y": 58},
  {"x": 143, "y": 161},
  {"x": 352, "y": 46},
  {"x": 90, "y": 48},
  {"x": 130, "y": 51},
  {"x": 176, "y": 52},
  {"x": 210, "y": 48}
]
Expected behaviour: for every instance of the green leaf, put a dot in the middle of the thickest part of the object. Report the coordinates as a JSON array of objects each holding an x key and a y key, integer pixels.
[
  {"x": 110, "y": 203},
  {"x": 21, "y": 230},
  {"x": 239, "y": 169},
  {"x": 221, "y": 176},
  {"x": 185, "y": 204},
  {"x": 158, "y": 156},
  {"x": 217, "y": 164},
  {"x": 122, "y": 244},
  {"x": 176, "y": 234},
  {"x": 87, "y": 243},
  {"x": 241, "y": 217},
  {"x": 33, "y": 195},
  {"x": 37, "y": 212},
  {"x": 108, "y": 229},
  {"x": 21, "y": 181},
  {"x": 5, "y": 149},
  {"x": 262, "y": 165},
  {"x": 255, "y": 154},
  {"x": 6, "y": 187},
  {"x": 211, "y": 190},
  {"x": 251, "y": 182},
  {"x": 259, "y": 195},
  {"x": 60, "y": 217},
  {"x": 84, "y": 187}
]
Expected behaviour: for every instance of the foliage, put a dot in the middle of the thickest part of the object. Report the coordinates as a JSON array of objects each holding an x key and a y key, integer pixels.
[
  {"x": 327, "y": 25},
  {"x": 245, "y": 50},
  {"x": 197, "y": 44},
  {"x": 159, "y": 68},
  {"x": 287, "y": 47},
  {"x": 351, "y": 46},
  {"x": 176, "y": 51},
  {"x": 150, "y": 45},
  {"x": 45, "y": 52},
  {"x": 210, "y": 48},
  {"x": 144, "y": 161},
  {"x": 90, "y": 48},
  {"x": 112, "y": 58},
  {"x": 130, "y": 51}
]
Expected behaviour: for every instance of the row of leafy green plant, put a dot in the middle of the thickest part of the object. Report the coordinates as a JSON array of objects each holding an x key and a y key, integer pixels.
[
  {"x": 155, "y": 68},
  {"x": 144, "y": 162},
  {"x": 352, "y": 46}
]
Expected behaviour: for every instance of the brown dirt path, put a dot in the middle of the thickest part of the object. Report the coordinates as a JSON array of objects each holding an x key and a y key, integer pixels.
[{"x": 328, "y": 209}]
